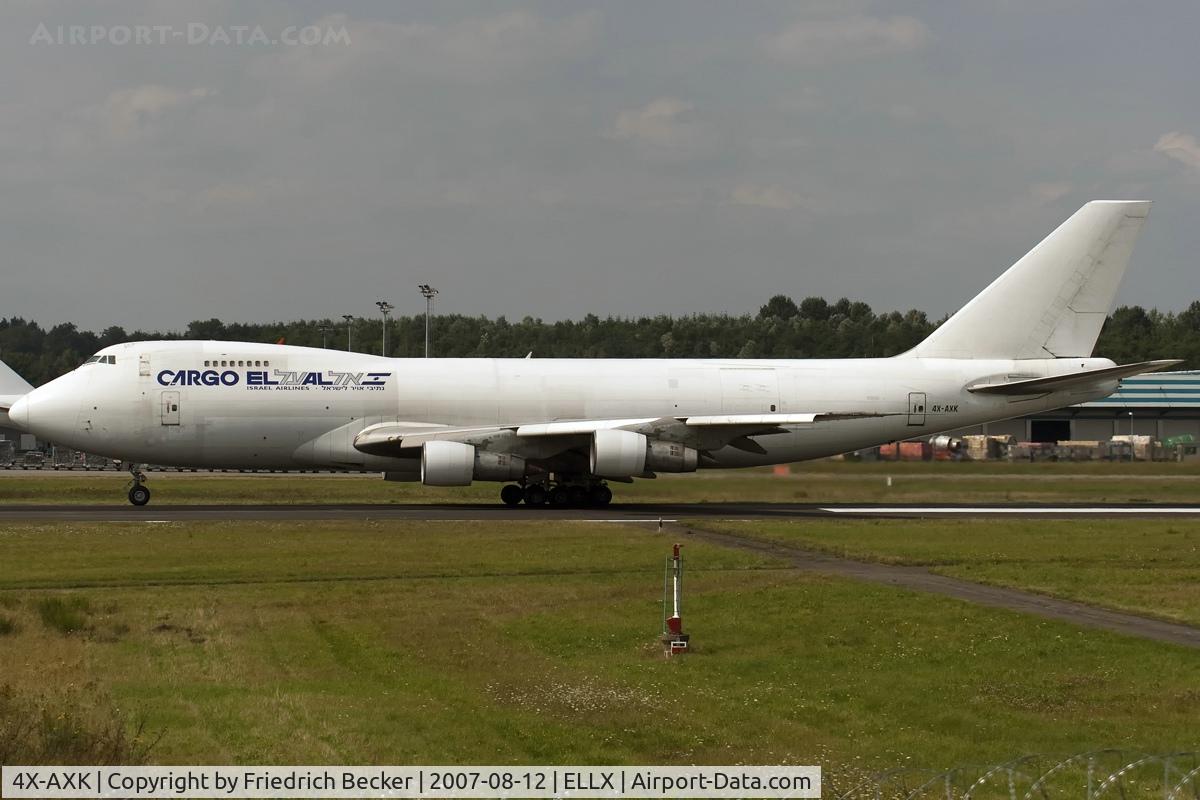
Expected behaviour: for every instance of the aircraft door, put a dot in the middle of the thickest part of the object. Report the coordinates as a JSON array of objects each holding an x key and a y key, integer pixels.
[
  {"x": 170, "y": 408},
  {"x": 916, "y": 408}
]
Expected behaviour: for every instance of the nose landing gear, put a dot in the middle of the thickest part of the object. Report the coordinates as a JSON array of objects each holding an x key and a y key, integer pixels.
[{"x": 139, "y": 495}]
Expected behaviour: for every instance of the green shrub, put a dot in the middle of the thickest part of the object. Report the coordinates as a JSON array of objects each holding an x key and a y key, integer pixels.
[
  {"x": 64, "y": 614},
  {"x": 7, "y": 626}
]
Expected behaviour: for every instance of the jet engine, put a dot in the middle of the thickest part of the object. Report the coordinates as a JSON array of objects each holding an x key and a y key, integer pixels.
[
  {"x": 618, "y": 454},
  {"x": 621, "y": 454},
  {"x": 447, "y": 463},
  {"x": 456, "y": 464},
  {"x": 499, "y": 467},
  {"x": 671, "y": 457}
]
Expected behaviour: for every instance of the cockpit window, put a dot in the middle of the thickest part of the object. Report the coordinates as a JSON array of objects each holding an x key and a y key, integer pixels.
[
  {"x": 92, "y": 360},
  {"x": 101, "y": 360}
]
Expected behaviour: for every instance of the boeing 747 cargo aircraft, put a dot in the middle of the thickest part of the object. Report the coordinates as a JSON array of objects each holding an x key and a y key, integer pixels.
[{"x": 558, "y": 431}]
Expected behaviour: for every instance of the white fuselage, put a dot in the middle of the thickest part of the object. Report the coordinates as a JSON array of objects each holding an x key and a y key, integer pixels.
[{"x": 254, "y": 406}]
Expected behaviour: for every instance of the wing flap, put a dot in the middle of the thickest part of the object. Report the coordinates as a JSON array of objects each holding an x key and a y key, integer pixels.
[
  {"x": 776, "y": 420},
  {"x": 582, "y": 426},
  {"x": 390, "y": 438},
  {"x": 1084, "y": 378}
]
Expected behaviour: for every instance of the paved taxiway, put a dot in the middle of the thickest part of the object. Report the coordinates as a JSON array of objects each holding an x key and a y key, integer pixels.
[
  {"x": 630, "y": 512},
  {"x": 921, "y": 579}
]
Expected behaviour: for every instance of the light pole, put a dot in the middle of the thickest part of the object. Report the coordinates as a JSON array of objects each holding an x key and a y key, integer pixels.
[
  {"x": 1131, "y": 435},
  {"x": 427, "y": 292},
  {"x": 324, "y": 329},
  {"x": 385, "y": 308},
  {"x": 349, "y": 327}
]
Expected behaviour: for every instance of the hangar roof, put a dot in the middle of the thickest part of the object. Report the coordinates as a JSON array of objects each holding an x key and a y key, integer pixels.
[{"x": 1159, "y": 390}]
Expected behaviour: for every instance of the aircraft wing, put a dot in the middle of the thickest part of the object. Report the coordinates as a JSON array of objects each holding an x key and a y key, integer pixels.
[
  {"x": 705, "y": 431},
  {"x": 1059, "y": 382}
]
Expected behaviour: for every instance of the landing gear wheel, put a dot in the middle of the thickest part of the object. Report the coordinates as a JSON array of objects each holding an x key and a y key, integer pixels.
[
  {"x": 559, "y": 497},
  {"x": 512, "y": 495},
  {"x": 139, "y": 495},
  {"x": 535, "y": 496},
  {"x": 600, "y": 495},
  {"x": 577, "y": 496}
]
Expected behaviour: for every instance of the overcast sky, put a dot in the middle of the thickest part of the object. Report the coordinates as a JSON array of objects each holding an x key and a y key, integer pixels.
[{"x": 555, "y": 159}]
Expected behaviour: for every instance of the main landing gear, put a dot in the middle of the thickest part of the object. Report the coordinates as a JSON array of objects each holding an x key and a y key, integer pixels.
[
  {"x": 562, "y": 495},
  {"x": 139, "y": 495}
]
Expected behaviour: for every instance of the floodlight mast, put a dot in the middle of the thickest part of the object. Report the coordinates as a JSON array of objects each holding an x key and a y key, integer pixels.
[
  {"x": 325, "y": 330},
  {"x": 349, "y": 318},
  {"x": 385, "y": 308},
  {"x": 428, "y": 293}
]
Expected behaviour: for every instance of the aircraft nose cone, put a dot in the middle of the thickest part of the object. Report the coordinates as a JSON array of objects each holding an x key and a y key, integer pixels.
[
  {"x": 49, "y": 412},
  {"x": 19, "y": 414}
]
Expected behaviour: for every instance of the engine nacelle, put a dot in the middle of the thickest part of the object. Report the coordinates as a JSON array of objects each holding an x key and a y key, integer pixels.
[
  {"x": 447, "y": 463},
  {"x": 671, "y": 457},
  {"x": 498, "y": 467},
  {"x": 618, "y": 454}
]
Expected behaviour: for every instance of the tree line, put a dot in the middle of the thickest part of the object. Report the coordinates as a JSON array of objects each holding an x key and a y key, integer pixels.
[{"x": 812, "y": 328}]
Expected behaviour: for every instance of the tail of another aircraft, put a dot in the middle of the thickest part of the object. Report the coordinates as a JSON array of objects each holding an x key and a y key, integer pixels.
[
  {"x": 11, "y": 383},
  {"x": 12, "y": 388},
  {"x": 1051, "y": 303}
]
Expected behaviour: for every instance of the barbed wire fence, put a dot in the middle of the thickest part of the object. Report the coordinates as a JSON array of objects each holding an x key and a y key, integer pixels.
[{"x": 1108, "y": 774}]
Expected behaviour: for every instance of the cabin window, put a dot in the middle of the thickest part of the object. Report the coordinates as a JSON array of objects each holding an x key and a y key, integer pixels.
[
  {"x": 266, "y": 363},
  {"x": 206, "y": 363}
]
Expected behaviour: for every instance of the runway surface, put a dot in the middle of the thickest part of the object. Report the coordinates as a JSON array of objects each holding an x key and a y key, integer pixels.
[{"x": 629, "y": 512}]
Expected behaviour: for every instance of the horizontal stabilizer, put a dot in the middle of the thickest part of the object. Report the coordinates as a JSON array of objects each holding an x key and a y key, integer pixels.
[{"x": 1060, "y": 382}]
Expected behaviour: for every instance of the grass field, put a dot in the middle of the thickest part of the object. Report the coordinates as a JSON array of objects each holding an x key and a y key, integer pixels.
[
  {"x": 812, "y": 482},
  {"x": 392, "y": 642},
  {"x": 1149, "y": 567}
]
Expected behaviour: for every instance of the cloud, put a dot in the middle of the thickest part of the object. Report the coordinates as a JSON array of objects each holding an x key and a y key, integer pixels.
[
  {"x": 775, "y": 197},
  {"x": 1182, "y": 147},
  {"x": 129, "y": 113},
  {"x": 1050, "y": 191},
  {"x": 659, "y": 123},
  {"x": 228, "y": 194},
  {"x": 813, "y": 41},
  {"x": 475, "y": 50}
]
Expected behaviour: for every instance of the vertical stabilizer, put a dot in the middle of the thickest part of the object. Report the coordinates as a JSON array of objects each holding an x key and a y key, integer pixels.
[
  {"x": 1051, "y": 303},
  {"x": 11, "y": 383}
]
